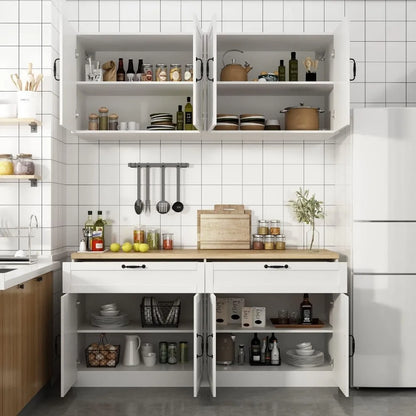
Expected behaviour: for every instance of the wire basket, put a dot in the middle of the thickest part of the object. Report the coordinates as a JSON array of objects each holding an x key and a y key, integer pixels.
[
  {"x": 158, "y": 314},
  {"x": 102, "y": 354}
]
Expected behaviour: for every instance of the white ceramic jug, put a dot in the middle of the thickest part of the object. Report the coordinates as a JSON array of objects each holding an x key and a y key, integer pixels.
[{"x": 131, "y": 355}]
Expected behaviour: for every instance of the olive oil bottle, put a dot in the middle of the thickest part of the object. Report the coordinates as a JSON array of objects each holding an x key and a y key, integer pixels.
[
  {"x": 293, "y": 67},
  {"x": 188, "y": 114},
  {"x": 282, "y": 71}
]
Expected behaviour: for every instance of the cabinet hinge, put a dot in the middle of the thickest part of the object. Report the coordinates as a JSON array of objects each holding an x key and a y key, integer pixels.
[{"x": 76, "y": 54}]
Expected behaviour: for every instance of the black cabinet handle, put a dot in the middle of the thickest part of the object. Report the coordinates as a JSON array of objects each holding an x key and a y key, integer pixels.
[
  {"x": 202, "y": 346},
  {"x": 209, "y": 355},
  {"x": 39, "y": 279},
  {"x": 54, "y": 69},
  {"x": 354, "y": 69},
  {"x": 352, "y": 346},
  {"x": 286, "y": 266},
  {"x": 128, "y": 266},
  {"x": 21, "y": 286},
  {"x": 208, "y": 77},
  {"x": 202, "y": 69}
]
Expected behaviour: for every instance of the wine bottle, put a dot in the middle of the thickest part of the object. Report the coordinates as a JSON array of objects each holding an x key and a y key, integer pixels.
[
  {"x": 188, "y": 114},
  {"x": 139, "y": 73},
  {"x": 179, "y": 118},
  {"x": 282, "y": 71},
  {"x": 293, "y": 67},
  {"x": 98, "y": 243},
  {"x": 130, "y": 71},
  {"x": 275, "y": 355},
  {"x": 264, "y": 348},
  {"x": 306, "y": 310},
  {"x": 255, "y": 351},
  {"x": 121, "y": 75}
]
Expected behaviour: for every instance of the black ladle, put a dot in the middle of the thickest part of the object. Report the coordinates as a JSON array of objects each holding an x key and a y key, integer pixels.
[
  {"x": 178, "y": 206},
  {"x": 138, "y": 205}
]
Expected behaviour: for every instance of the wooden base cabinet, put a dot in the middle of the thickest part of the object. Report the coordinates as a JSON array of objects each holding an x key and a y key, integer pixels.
[{"x": 26, "y": 342}]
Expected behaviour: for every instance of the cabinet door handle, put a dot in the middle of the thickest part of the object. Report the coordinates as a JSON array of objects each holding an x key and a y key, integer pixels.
[
  {"x": 133, "y": 266},
  {"x": 352, "y": 346},
  {"x": 202, "y": 346},
  {"x": 54, "y": 69},
  {"x": 208, "y": 77},
  {"x": 208, "y": 354},
  {"x": 354, "y": 69},
  {"x": 201, "y": 70},
  {"x": 21, "y": 286},
  {"x": 285, "y": 266},
  {"x": 39, "y": 279}
]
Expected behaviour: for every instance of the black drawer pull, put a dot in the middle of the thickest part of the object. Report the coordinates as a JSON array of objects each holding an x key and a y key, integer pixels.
[
  {"x": 39, "y": 279},
  {"x": 127, "y": 266},
  {"x": 21, "y": 286},
  {"x": 266, "y": 266}
]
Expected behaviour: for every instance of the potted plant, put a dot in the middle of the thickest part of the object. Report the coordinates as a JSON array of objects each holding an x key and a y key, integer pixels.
[{"x": 307, "y": 209}]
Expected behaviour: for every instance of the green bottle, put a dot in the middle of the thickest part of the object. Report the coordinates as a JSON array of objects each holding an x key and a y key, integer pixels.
[
  {"x": 179, "y": 118},
  {"x": 293, "y": 67},
  {"x": 188, "y": 114},
  {"x": 282, "y": 71}
]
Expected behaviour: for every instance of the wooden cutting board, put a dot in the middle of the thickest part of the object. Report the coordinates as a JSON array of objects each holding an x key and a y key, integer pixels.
[{"x": 225, "y": 227}]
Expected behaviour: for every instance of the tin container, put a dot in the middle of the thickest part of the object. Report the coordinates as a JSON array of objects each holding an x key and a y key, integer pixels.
[
  {"x": 183, "y": 352},
  {"x": 163, "y": 352}
]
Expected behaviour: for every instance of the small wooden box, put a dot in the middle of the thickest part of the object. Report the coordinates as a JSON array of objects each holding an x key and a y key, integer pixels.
[{"x": 225, "y": 227}]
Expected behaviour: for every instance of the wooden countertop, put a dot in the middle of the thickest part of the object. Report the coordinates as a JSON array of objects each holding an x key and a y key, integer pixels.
[{"x": 194, "y": 254}]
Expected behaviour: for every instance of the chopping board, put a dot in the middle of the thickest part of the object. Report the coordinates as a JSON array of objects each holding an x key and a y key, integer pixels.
[{"x": 224, "y": 227}]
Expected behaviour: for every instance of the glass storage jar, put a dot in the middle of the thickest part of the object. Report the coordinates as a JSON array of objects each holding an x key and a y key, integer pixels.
[
  {"x": 175, "y": 72},
  {"x": 139, "y": 235},
  {"x": 172, "y": 353},
  {"x": 113, "y": 122},
  {"x": 24, "y": 164},
  {"x": 280, "y": 242},
  {"x": 103, "y": 114},
  {"x": 161, "y": 72},
  {"x": 153, "y": 240},
  {"x": 269, "y": 242},
  {"x": 263, "y": 227},
  {"x": 6, "y": 164},
  {"x": 189, "y": 73},
  {"x": 147, "y": 72},
  {"x": 275, "y": 227},
  {"x": 258, "y": 243},
  {"x": 93, "y": 122},
  {"x": 168, "y": 241}
]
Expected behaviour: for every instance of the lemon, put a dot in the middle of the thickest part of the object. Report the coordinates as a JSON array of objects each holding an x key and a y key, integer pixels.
[
  {"x": 143, "y": 247},
  {"x": 136, "y": 246},
  {"x": 115, "y": 247},
  {"x": 126, "y": 247}
]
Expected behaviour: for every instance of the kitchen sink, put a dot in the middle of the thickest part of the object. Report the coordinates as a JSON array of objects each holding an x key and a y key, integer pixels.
[{"x": 4, "y": 270}]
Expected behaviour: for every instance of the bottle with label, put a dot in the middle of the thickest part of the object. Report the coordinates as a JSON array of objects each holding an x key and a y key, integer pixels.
[
  {"x": 179, "y": 118},
  {"x": 241, "y": 355},
  {"x": 306, "y": 310},
  {"x": 121, "y": 74},
  {"x": 188, "y": 114},
  {"x": 282, "y": 71},
  {"x": 293, "y": 67},
  {"x": 275, "y": 354},
  {"x": 255, "y": 351},
  {"x": 264, "y": 348},
  {"x": 130, "y": 71},
  {"x": 139, "y": 73},
  {"x": 98, "y": 234},
  {"x": 89, "y": 228}
]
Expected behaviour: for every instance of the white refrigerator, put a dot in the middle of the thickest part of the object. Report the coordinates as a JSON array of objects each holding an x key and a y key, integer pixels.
[{"x": 384, "y": 247}]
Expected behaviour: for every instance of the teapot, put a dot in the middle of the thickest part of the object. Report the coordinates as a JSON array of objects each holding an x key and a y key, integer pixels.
[{"x": 234, "y": 71}]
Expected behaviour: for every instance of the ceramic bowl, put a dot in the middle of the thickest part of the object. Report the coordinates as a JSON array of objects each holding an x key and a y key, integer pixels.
[
  {"x": 109, "y": 312},
  {"x": 304, "y": 351}
]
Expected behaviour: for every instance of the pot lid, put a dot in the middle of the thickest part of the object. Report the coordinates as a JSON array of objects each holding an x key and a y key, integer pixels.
[{"x": 301, "y": 105}]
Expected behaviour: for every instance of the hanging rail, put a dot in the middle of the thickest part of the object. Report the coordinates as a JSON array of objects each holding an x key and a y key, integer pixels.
[{"x": 158, "y": 165}]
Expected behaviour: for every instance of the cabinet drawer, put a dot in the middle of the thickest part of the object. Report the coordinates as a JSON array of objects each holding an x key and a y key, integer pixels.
[
  {"x": 133, "y": 277},
  {"x": 276, "y": 277}
]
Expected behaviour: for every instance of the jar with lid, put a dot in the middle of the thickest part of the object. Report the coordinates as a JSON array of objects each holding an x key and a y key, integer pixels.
[
  {"x": 280, "y": 242},
  {"x": 24, "y": 164},
  {"x": 189, "y": 73},
  {"x": 263, "y": 227},
  {"x": 147, "y": 72},
  {"x": 153, "y": 240},
  {"x": 113, "y": 122},
  {"x": 269, "y": 242},
  {"x": 139, "y": 235},
  {"x": 258, "y": 242},
  {"x": 275, "y": 227},
  {"x": 175, "y": 72},
  {"x": 168, "y": 241},
  {"x": 172, "y": 353},
  {"x": 161, "y": 72},
  {"x": 103, "y": 114},
  {"x": 6, "y": 164},
  {"x": 93, "y": 122}
]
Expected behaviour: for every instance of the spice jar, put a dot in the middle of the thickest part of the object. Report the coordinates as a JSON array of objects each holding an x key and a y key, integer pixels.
[
  {"x": 269, "y": 242},
  {"x": 6, "y": 164},
  {"x": 258, "y": 243},
  {"x": 168, "y": 241},
  {"x": 153, "y": 240},
  {"x": 103, "y": 114},
  {"x": 93, "y": 122},
  {"x": 189, "y": 73},
  {"x": 275, "y": 227},
  {"x": 139, "y": 235},
  {"x": 172, "y": 353},
  {"x": 161, "y": 72},
  {"x": 263, "y": 227},
  {"x": 24, "y": 164},
  {"x": 280, "y": 242},
  {"x": 175, "y": 73},
  {"x": 113, "y": 122},
  {"x": 147, "y": 72}
]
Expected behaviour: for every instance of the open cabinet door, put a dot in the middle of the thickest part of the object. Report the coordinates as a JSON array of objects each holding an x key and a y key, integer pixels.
[
  {"x": 69, "y": 342},
  {"x": 211, "y": 343},
  {"x": 211, "y": 48},
  {"x": 198, "y": 82},
  {"x": 198, "y": 342},
  {"x": 67, "y": 75},
  {"x": 339, "y": 343}
]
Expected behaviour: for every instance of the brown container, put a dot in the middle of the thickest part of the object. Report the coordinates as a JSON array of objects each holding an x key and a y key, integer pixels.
[
  {"x": 302, "y": 117},
  {"x": 225, "y": 227}
]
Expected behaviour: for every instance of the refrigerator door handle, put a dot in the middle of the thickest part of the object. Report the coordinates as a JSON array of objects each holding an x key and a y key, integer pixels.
[{"x": 352, "y": 348}]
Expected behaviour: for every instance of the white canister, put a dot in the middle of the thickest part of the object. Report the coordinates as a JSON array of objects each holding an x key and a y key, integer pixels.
[{"x": 27, "y": 104}]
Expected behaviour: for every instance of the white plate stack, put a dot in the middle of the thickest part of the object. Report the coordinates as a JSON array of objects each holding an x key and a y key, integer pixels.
[
  {"x": 109, "y": 317},
  {"x": 304, "y": 356}
]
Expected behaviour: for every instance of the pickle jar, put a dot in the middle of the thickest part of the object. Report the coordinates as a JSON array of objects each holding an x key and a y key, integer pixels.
[
  {"x": 147, "y": 72},
  {"x": 93, "y": 122},
  {"x": 161, "y": 72},
  {"x": 168, "y": 241},
  {"x": 263, "y": 227},
  {"x": 258, "y": 242},
  {"x": 189, "y": 73},
  {"x": 153, "y": 240},
  {"x": 175, "y": 72},
  {"x": 269, "y": 242},
  {"x": 139, "y": 235},
  {"x": 275, "y": 227},
  {"x": 280, "y": 242},
  {"x": 6, "y": 164},
  {"x": 103, "y": 115},
  {"x": 113, "y": 122},
  {"x": 24, "y": 164}
]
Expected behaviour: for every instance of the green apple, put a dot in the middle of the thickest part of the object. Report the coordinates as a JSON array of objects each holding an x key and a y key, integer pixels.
[
  {"x": 126, "y": 247},
  {"x": 143, "y": 247},
  {"x": 136, "y": 246},
  {"x": 115, "y": 247}
]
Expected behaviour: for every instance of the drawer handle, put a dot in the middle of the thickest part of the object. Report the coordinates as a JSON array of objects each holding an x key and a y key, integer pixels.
[
  {"x": 266, "y": 266},
  {"x": 202, "y": 346},
  {"x": 39, "y": 279},
  {"x": 21, "y": 286},
  {"x": 127, "y": 266}
]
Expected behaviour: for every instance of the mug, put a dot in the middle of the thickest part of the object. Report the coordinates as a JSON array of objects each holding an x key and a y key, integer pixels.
[
  {"x": 149, "y": 359},
  {"x": 131, "y": 125},
  {"x": 146, "y": 348},
  {"x": 122, "y": 125}
]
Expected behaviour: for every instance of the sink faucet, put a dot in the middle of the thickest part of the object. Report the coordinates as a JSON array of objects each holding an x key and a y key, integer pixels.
[{"x": 35, "y": 219}]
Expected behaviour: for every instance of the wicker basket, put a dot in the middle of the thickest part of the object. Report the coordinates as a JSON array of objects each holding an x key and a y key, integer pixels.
[
  {"x": 102, "y": 354},
  {"x": 160, "y": 313}
]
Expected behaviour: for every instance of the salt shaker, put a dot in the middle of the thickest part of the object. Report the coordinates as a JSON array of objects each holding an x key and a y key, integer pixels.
[{"x": 82, "y": 245}]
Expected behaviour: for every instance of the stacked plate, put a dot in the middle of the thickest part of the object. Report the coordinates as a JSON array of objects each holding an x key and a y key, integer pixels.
[
  {"x": 161, "y": 121},
  {"x": 252, "y": 122},
  {"x": 109, "y": 317},
  {"x": 227, "y": 122},
  {"x": 304, "y": 356}
]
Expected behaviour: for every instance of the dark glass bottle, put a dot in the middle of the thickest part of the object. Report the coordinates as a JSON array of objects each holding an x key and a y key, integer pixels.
[
  {"x": 130, "y": 71},
  {"x": 293, "y": 67},
  {"x": 139, "y": 72},
  {"x": 255, "y": 351},
  {"x": 282, "y": 71},
  {"x": 306, "y": 310},
  {"x": 188, "y": 114},
  {"x": 179, "y": 118},
  {"x": 121, "y": 75}
]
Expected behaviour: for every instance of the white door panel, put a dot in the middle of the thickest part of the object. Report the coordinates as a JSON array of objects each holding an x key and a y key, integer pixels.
[
  {"x": 212, "y": 80},
  {"x": 211, "y": 342},
  {"x": 198, "y": 104}
]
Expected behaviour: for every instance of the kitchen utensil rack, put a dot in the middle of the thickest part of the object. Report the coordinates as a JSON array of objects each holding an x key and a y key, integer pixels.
[{"x": 158, "y": 165}]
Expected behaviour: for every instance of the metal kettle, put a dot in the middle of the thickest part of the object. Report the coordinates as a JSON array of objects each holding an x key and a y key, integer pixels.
[
  {"x": 225, "y": 349},
  {"x": 234, "y": 71}
]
